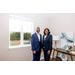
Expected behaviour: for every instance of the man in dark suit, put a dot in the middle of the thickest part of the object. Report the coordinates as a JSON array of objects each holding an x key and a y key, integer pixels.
[{"x": 36, "y": 44}]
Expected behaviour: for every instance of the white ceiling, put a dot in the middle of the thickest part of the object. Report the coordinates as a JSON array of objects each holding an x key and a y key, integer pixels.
[{"x": 49, "y": 15}]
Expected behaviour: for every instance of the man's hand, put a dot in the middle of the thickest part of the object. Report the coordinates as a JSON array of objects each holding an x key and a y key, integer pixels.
[
  {"x": 34, "y": 52},
  {"x": 48, "y": 52},
  {"x": 41, "y": 49}
]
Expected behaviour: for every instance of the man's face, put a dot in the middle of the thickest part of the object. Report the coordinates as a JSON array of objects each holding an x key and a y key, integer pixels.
[{"x": 38, "y": 29}]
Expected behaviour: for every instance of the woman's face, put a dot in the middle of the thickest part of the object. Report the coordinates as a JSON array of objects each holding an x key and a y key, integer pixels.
[{"x": 46, "y": 32}]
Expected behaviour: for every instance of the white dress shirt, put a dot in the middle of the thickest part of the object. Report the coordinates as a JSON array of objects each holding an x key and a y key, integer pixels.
[
  {"x": 38, "y": 36},
  {"x": 45, "y": 37}
]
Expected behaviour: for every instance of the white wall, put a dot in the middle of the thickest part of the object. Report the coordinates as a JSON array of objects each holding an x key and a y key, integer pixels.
[
  {"x": 63, "y": 23},
  {"x": 18, "y": 54}
]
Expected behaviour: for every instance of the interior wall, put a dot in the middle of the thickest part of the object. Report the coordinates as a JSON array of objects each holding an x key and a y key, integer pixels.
[
  {"x": 18, "y": 54},
  {"x": 62, "y": 23}
]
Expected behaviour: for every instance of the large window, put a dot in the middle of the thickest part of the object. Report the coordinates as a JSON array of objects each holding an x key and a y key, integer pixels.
[{"x": 20, "y": 31}]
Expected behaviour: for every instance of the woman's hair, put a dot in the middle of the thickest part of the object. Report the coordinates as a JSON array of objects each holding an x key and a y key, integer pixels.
[{"x": 48, "y": 31}]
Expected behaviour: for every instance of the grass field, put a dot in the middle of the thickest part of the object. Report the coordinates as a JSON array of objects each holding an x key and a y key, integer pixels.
[{"x": 14, "y": 43}]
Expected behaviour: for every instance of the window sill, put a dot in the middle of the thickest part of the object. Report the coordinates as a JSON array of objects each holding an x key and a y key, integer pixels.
[{"x": 14, "y": 47}]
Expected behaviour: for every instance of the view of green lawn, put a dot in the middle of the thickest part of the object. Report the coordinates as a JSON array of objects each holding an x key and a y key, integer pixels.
[
  {"x": 15, "y": 38},
  {"x": 14, "y": 43}
]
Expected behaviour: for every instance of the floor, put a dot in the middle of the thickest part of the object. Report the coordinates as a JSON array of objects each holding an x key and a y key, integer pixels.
[
  {"x": 58, "y": 59},
  {"x": 44, "y": 60}
]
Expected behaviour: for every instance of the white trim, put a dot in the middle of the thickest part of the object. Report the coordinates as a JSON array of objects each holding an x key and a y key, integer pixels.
[
  {"x": 21, "y": 36},
  {"x": 19, "y": 17},
  {"x": 41, "y": 58},
  {"x": 51, "y": 56},
  {"x": 21, "y": 32},
  {"x": 9, "y": 35},
  {"x": 14, "y": 47}
]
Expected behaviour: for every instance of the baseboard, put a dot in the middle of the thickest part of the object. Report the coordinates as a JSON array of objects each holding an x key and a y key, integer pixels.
[
  {"x": 50, "y": 56},
  {"x": 41, "y": 58}
]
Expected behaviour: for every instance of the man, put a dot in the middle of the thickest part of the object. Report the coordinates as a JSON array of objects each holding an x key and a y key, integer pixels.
[{"x": 36, "y": 43}]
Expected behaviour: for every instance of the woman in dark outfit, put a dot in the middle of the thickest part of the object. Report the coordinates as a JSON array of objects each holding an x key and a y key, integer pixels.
[{"x": 47, "y": 44}]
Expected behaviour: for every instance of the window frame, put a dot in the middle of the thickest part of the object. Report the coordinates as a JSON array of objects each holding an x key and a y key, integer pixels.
[{"x": 21, "y": 32}]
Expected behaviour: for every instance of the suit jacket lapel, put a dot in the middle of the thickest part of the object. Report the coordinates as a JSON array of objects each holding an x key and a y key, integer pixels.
[
  {"x": 46, "y": 37},
  {"x": 37, "y": 36}
]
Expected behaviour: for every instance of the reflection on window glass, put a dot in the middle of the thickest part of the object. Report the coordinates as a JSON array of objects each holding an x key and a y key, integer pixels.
[
  {"x": 27, "y": 38},
  {"x": 14, "y": 38},
  {"x": 15, "y": 25},
  {"x": 27, "y": 26}
]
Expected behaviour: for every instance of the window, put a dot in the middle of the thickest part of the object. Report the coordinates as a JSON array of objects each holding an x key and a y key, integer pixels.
[{"x": 20, "y": 31}]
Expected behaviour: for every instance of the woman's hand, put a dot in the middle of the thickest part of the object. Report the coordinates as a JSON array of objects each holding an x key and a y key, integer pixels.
[{"x": 48, "y": 52}]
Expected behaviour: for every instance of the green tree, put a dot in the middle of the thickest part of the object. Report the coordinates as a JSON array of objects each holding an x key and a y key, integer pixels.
[
  {"x": 15, "y": 36},
  {"x": 27, "y": 36}
]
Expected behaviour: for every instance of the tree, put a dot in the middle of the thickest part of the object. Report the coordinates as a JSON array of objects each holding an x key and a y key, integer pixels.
[
  {"x": 27, "y": 36},
  {"x": 15, "y": 36}
]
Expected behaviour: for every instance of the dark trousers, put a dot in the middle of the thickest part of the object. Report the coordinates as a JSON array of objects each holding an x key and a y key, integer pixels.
[
  {"x": 36, "y": 57},
  {"x": 46, "y": 56}
]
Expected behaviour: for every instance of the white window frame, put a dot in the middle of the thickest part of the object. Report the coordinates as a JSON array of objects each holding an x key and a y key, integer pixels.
[{"x": 21, "y": 36}]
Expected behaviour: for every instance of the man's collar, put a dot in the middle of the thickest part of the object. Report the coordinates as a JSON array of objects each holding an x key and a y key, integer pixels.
[{"x": 37, "y": 33}]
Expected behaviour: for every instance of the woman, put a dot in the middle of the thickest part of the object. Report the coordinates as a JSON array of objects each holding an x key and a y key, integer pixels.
[{"x": 47, "y": 44}]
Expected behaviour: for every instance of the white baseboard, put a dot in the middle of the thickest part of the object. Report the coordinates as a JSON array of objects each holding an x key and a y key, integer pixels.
[
  {"x": 51, "y": 56},
  {"x": 41, "y": 58}
]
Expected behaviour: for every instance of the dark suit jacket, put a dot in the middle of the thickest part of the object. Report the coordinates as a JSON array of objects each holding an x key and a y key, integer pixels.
[
  {"x": 47, "y": 42},
  {"x": 35, "y": 43}
]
